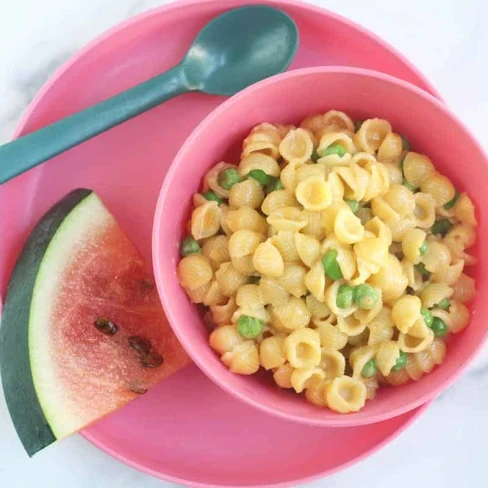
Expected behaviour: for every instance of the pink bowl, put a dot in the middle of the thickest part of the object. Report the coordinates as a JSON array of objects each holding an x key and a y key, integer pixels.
[{"x": 288, "y": 98}]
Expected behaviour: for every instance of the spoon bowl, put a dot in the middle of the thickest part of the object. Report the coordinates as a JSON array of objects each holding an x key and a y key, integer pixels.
[{"x": 225, "y": 57}]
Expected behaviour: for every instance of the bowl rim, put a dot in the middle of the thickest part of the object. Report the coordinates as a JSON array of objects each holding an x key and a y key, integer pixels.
[{"x": 340, "y": 421}]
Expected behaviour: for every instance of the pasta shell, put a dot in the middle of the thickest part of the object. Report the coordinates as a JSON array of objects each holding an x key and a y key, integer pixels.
[
  {"x": 285, "y": 241},
  {"x": 314, "y": 194},
  {"x": 261, "y": 161},
  {"x": 244, "y": 242},
  {"x": 277, "y": 200},
  {"x": 390, "y": 149},
  {"x": 225, "y": 339},
  {"x": 439, "y": 188},
  {"x": 296, "y": 146},
  {"x": 243, "y": 359},
  {"x": 417, "y": 168},
  {"x": 307, "y": 248},
  {"x": 282, "y": 375},
  {"x": 293, "y": 279},
  {"x": 272, "y": 352},
  {"x": 345, "y": 395},
  {"x": 246, "y": 218},
  {"x": 248, "y": 193},
  {"x": 268, "y": 261},
  {"x": 229, "y": 279},
  {"x": 205, "y": 221},
  {"x": 194, "y": 271},
  {"x": 302, "y": 348},
  {"x": 372, "y": 134}
]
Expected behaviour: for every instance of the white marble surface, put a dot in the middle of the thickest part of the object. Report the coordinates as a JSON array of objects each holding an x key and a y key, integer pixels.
[{"x": 447, "y": 40}]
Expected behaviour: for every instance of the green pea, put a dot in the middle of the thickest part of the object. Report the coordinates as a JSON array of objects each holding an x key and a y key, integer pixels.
[
  {"x": 249, "y": 327},
  {"x": 189, "y": 246},
  {"x": 260, "y": 176},
  {"x": 444, "y": 304},
  {"x": 274, "y": 185},
  {"x": 441, "y": 226},
  {"x": 424, "y": 248},
  {"x": 315, "y": 155},
  {"x": 422, "y": 270},
  {"x": 452, "y": 202},
  {"x": 331, "y": 266},
  {"x": 334, "y": 149},
  {"x": 254, "y": 280},
  {"x": 228, "y": 178},
  {"x": 401, "y": 362},
  {"x": 427, "y": 316},
  {"x": 439, "y": 327},
  {"x": 408, "y": 185},
  {"x": 365, "y": 296},
  {"x": 405, "y": 143},
  {"x": 212, "y": 197},
  {"x": 357, "y": 124},
  {"x": 353, "y": 204},
  {"x": 369, "y": 369},
  {"x": 345, "y": 296}
]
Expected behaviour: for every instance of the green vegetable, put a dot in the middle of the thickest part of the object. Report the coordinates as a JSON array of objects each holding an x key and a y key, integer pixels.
[
  {"x": 408, "y": 185},
  {"x": 444, "y": 304},
  {"x": 357, "y": 124},
  {"x": 249, "y": 327},
  {"x": 365, "y": 296},
  {"x": 228, "y": 178},
  {"x": 334, "y": 149},
  {"x": 439, "y": 327},
  {"x": 369, "y": 369},
  {"x": 427, "y": 316},
  {"x": 345, "y": 296},
  {"x": 260, "y": 176},
  {"x": 452, "y": 202},
  {"x": 331, "y": 266},
  {"x": 353, "y": 204},
  {"x": 401, "y": 362},
  {"x": 212, "y": 197},
  {"x": 405, "y": 143},
  {"x": 441, "y": 226},
  {"x": 254, "y": 280},
  {"x": 424, "y": 248},
  {"x": 422, "y": 270},
  {"x": 315, "y": 155},
  {"x": 274, "y": 185},
  {"x": 189, "y": 246}
]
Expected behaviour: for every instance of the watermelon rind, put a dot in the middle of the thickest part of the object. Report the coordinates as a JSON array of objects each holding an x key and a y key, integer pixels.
[{"x": 27, "y": 378}]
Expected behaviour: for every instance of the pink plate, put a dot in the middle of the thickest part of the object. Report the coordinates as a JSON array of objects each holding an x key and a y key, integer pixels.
[{"x": 185, "y": 430}]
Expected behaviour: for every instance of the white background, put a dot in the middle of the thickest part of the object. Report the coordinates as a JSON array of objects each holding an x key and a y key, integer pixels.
[{"x": 448, "y": 41}]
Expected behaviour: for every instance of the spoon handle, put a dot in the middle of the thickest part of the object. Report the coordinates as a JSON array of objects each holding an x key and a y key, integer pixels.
[{"x": 35, "y": 148}]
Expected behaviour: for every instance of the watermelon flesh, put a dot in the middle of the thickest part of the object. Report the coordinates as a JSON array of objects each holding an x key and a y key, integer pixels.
[{"x": 97, "y": 337}]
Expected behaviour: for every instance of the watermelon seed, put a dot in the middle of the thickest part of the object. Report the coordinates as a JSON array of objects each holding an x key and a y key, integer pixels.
[
  {"x": 136, "y": 387},
  {"x": 152, "y": 360},
  {"x": 141, "y": 344},
  {"x": 105, "y": 326},
  {"x": 147, "y": 284}
]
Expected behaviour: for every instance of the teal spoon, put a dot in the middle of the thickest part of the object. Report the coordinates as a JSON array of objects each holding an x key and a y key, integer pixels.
[{"x": 233, "y": 51}]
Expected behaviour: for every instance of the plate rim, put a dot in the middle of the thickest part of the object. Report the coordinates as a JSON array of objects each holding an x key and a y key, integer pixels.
[
  {"x": 415, "y": 415},
  {"x": 188, "y": 4}
]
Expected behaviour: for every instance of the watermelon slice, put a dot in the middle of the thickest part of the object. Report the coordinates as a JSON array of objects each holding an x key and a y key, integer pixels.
[{"x": 83, "y": 331}]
